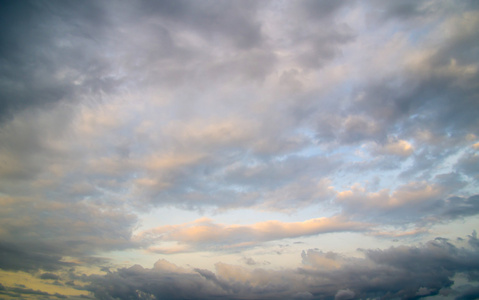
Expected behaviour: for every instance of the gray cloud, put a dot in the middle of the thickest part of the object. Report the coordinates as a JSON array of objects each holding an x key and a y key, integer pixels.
[
  {"x": 19, "y": 258},
  {"x": 437, "y": 88},
  {"x": 457, "y": 207},
  {"x": 414, "y": 203},
  {"x": 471, "y": 292},
  {"x": 405, "y": 272},
  {"x": 48, "y": 56},
  {"x": 344, "y": 295},
  {"x": 170, "y": 33},
  {"x": 49, "y": 276},
  {"x": 21, "y": 292},
  {"x": 237, "y": 19},
  {"x": 109, "y": 109}
]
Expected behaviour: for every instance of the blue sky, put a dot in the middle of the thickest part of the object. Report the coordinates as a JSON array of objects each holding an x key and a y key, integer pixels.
[{"x": 239, "y": 149}]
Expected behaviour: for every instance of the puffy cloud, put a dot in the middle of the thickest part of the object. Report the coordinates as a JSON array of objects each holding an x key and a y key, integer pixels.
[
  {"x": 409, "y": 272},
  {"x": 137, "y": 283}
]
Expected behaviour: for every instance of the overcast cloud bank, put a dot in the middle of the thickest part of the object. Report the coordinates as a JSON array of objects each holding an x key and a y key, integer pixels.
[{"x": 271, "y": 123}]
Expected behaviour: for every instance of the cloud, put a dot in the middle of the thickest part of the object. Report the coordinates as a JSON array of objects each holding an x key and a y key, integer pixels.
[
  {"x": 460, "y": 207},
  {"x": 469, "y": 165},
  {"x": 251, "y": 262},
  {"x": 321, "y": 260},
  {"x": 204, "y": 234},
  {"x": 137, "y": 282},
  {"x": 344, "y": 295},
  {"x": 406, "y": 272},
  {"x": 21, "y": 292},
  {"x": 78, "y": 228},
  {"x": 49, "y": 57},
  {"x": 427, "y": 83},
  {"x": 400, "y": 148},
  {"x": 49, "y": 276},
  {"x": 19, "y": 258},
  {"x": 240, "y": 27},
  {"x": 471, "y": 292},
  {"x": 110, "y": 112},
  {"x": 410, "y": 201}
]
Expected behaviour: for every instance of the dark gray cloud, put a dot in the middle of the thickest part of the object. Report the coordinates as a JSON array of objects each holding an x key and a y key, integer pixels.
[
  {"x": 50, "y": 51},
  {"x": 20, "y": 258},
  {"x": 404, "y": 271},
  {"x": 137, "y": 283},
  {"x": 19, "y": 291},
  {"x": 30, "y": 242},
  {"x": 471, "y": 292},
  {"x": 459, "y": 207},
  {"x": 344, "y": 295},
  {"x": 398, "y": 272},
  {"x": 66, "y": 51},
  {"x": 49, "y": 276}
]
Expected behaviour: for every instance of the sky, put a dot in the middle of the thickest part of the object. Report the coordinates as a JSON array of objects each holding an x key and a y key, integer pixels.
[{"x": 239, "y": 149}]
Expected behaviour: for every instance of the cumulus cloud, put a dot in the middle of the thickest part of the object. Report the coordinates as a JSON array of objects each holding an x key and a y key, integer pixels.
[{"x": 406, "y": 271}]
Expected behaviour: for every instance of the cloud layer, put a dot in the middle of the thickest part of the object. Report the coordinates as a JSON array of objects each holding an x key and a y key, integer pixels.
[
  {"x": 203, "y": 233},
  {"x": 132, "y": 130},
  {"x": 398, "y": 272}
]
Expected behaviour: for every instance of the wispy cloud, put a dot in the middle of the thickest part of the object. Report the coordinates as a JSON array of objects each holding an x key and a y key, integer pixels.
[{"x": 205, "y": 234}]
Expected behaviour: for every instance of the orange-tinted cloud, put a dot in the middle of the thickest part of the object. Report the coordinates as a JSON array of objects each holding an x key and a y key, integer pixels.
[{"x": 205, "y": 233}]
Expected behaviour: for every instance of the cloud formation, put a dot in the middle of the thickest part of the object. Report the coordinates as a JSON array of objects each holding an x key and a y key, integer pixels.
[
  {"x": 219, "y": 127},
  {"x": 405, "y": 272},
  {"x": 203, "y": 233}
]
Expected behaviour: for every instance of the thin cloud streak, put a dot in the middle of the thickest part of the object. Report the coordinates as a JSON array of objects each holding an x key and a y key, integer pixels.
[{"x": 205, "y": 234}]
